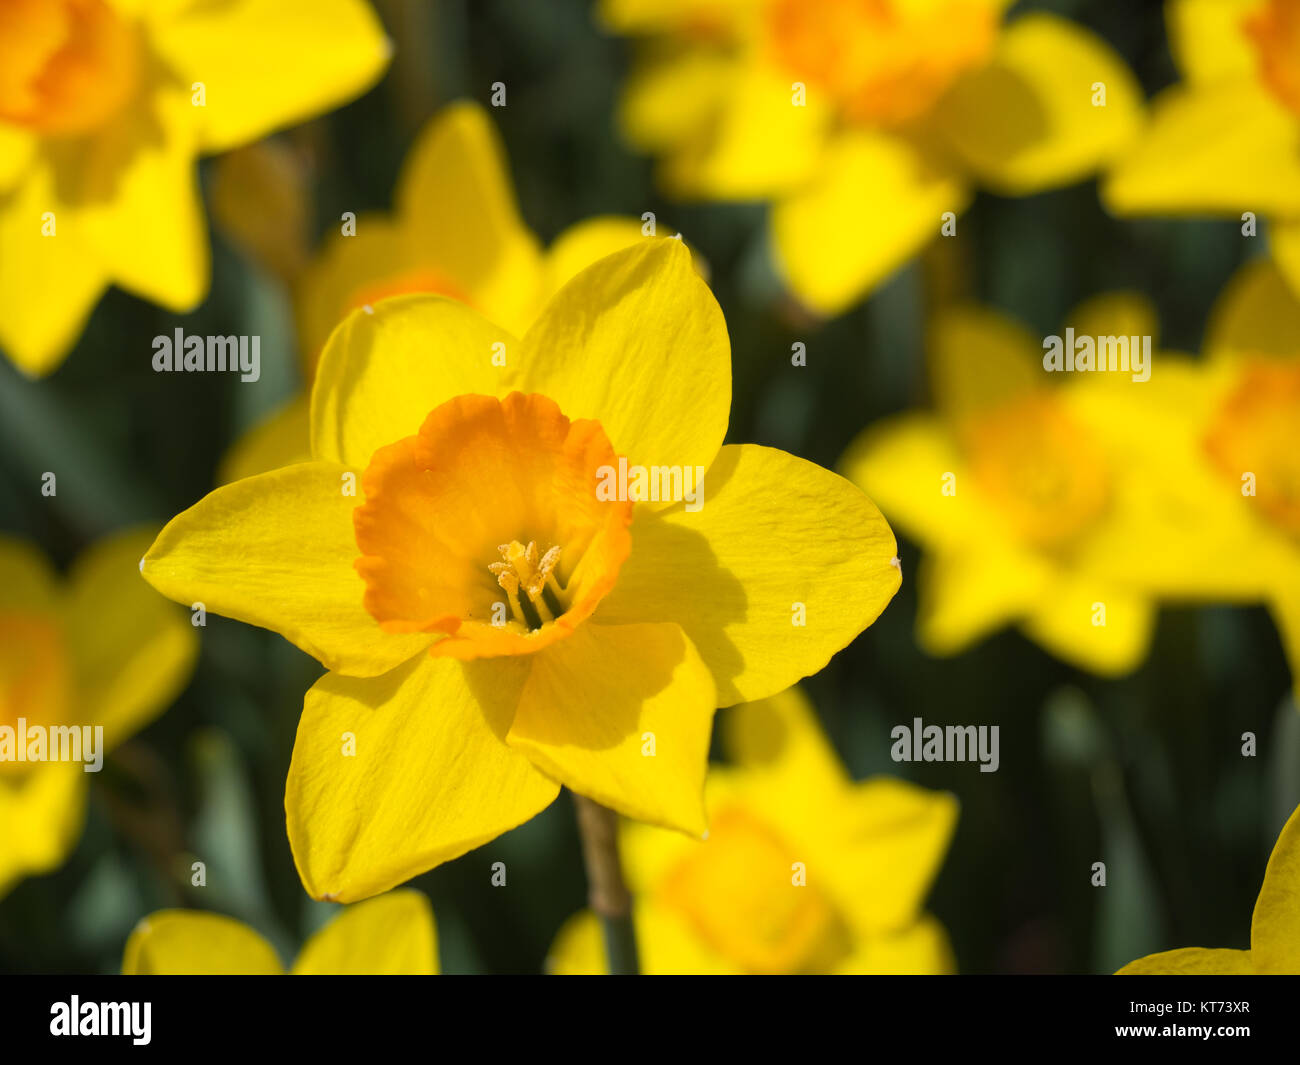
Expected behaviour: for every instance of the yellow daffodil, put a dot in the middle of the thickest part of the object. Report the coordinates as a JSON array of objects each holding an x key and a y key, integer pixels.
[
  {"x": 865, "y": 121},
  {"x": 456, "y": 232},
  {"x": 94, "y": 651},
  {"x": 803, "y": 870},
  {"x": 392, "y": 935},
  {"x": 1226, "y": 139},
  {"x": 528, "y": 595},
  {"x": 104, "y": 107},
  {"x": 1234, "y": 416},
  {"x": 1058, "y": 507},
  {"x": 1274, "y": 926}
]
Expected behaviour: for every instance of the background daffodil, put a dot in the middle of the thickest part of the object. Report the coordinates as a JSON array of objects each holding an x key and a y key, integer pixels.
[
  {"x": 1054, "y": 506},
  {"x": 1274, "y": 926},
  {"x": 392, "y": 935},
  {"x": 1226, "y": 138},
  {"x": 104, "y": 107},
  {"x": 492, "y": 627},
  {"x": 906, "y": 106},
  {"x": 866, "y": 851},
  {"x": 455, "y": 231},
  {"x": 94, "y": 649}
]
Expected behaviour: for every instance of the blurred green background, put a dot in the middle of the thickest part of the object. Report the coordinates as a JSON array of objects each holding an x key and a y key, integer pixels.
[{"x": 1144, "y": 773}]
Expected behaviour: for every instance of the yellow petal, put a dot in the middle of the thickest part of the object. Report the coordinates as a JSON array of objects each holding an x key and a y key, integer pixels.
[
  {"x": 1207, "y": 40},
  {"x": 782, "y": 565},
  {"x": 758, "y": 143},
  {"x": 189, "y": 943},
  {"x": 276, "y": 550},
  {"x": 966, "y": 595},
  {"x": 139, "y": 206},
  {"x": 666, "y": 946},
  {"x": 1191, "y": 961},
  {"x": 41, "y": 816},
  {"x": 922, "y": 949},
  {"x": 1123, "y": 313},
  {"x": 132, "y": 650},
  {"x": 1222, "y": 148},
  {"x": 980, "y": 358},
  {"x": 665, "y": 16},
  {"x": 833, "y": 242},
  {"x": 1286, "y": 614},
  {"x": 383, "y": 371},
  {"x": 17, "y": 147},
  {"x": 878, "y": 849},
  {"x": 1098, "y": 627},
  {"x": 905, "y": 463},
  {"x": 48, "y": 284},
  {"x": 455, "y": 194},
  {"x": 1284, "y": 242},
  {"x": 585, "y": 243},
  {"x": 391, "y": 935},
  {"x": 1256, "y": 315},
  {"x": 266, "y": 64},
  {"x": 1027, "y": 122},
  {"x": 1275, "y": 926},
  {"x": 282, "y": 439},
  {"x": 671, "y": 95},
  {"x": 622, "y": 714},
  {"x": 429, "y": 780},
  {"x": 612, "y": 346},
  {"x": 781, "y": 735}
]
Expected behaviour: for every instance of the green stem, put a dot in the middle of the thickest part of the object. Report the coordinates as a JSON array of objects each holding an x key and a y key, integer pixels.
[{"x": 607, "y": 893}]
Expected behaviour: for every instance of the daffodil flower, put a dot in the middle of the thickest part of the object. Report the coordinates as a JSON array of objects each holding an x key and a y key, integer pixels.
[
  {"x": 95, "y": 649},
  {"x": 104, "y": 107},
  {"x": 1059, "y": 507},
  {"x": 1233, "y": 417},
  {"x": 803, "y": 871},
  {"x": 1274, "y": 926},
  {"x": 455, "y": 231},
  {"x": 1225, "y": 139},
  {"x": 493, "y": 627},
  {"x": 392, "y": 935},
  {"x": 865, "y": 123}
]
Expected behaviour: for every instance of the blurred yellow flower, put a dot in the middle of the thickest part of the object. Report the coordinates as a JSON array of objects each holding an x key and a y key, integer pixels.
[
  {"x": 455, "y": 232},
  {"x": 1226, "y": 139},
  {"x": 392, "y": 935},
  {"x": 1236, "y": 417},
  {"x": 96, "y": 650},
  {"x": 803, "y": 871},
  {"x": 104, "y": 107},
  {"x": 865, "y": 121},
  {"x": 1060, "y": 508},
  {"x": 509, "y": 627},
  {"x": 1274, "y": 926}
]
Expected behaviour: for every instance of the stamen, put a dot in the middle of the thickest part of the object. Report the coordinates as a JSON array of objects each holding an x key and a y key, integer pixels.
[{"x": 523, "y": 569}]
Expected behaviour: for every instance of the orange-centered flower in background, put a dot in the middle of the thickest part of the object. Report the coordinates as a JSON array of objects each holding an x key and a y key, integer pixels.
[
  {"x": 455, "y": 231},
  {"x": 864, "y": 121},
  {"x": 1056, "y": 502},
  {"x": 88, "y": 651},
  {"x": 392, "y": 935},
  {"x": 1226, "y": 138},
  {"x": 105, "y": 106},
  {"x": 494, "y": 627},
  {"x": 804, "y": 870}
]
